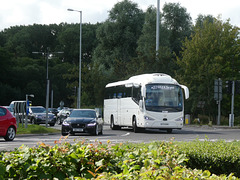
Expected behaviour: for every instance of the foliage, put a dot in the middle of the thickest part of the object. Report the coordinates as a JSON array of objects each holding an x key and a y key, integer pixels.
[
  {"x": 217, "y": 157},
  {"x": 175, "y": 25},
  {"x": 84, "y": 160},
  {"x": 117, "y": 39},
  {"x": 206, "y": 56},
  {"x": 178, "y": 22}
]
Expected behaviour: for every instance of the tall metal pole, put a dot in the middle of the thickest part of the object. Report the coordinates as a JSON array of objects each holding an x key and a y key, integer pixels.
[
  {"x": 52, "y": 99},
  {"x": 48, "y": 81},
  {"x": 80, "y": 60},
  {"x": 26, "y": 118},
  {"x": 47, "y": 93},
  {"x": 157, "y": 27},
  {"x": 47, "y": 102},
  {"x": 231, "y": 123}
]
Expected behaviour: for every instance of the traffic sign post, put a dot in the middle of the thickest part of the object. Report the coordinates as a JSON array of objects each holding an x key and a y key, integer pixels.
[
  {"x": 218, "y": 96},
  {"x": 231, "y": 119}
]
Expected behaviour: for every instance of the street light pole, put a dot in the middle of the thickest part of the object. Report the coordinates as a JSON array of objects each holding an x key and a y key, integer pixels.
[
  {"x": 47, "y": 54},
  {"x": 80, "y": 60},
  {"x": 157, "y": 26}
]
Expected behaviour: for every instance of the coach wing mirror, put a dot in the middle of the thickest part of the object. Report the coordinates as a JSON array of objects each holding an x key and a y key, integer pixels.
[
  {"x": 186, "y": 91},
  {"x": 144, "y": 92}
]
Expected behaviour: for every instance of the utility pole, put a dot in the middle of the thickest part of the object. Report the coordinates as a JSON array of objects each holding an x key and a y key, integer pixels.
[
  {"x": 218, "y": 96},
  {"x": 231, "y": 119},
  {"x": 157, "y": 27},
  {"x": 47, "y": 55}
]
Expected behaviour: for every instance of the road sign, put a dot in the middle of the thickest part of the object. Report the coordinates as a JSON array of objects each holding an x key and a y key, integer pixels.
[{"x": 218, "y": 89}]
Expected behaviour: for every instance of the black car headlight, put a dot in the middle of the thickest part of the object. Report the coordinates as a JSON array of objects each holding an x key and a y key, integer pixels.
[
  {"x": 91, "y": 124},
  {"x": 66, "y": 123}
]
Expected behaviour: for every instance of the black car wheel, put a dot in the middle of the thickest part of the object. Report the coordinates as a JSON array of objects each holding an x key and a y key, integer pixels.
[
  {"x": 101, "y": 132},
  {"x": 11, "y": 133},
  {"x": 96, "y": 130},
  {"x": 64, "y": 133}
]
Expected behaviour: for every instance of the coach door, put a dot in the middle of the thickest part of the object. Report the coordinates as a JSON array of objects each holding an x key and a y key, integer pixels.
[{"x": 119, "y": 113}]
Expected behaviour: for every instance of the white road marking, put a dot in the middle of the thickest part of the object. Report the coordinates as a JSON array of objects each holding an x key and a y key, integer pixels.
[{"x": 126, "y": 134}]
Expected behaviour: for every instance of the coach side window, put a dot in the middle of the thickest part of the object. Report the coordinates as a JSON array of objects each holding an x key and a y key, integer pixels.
[{"x": 136, "y": 93}]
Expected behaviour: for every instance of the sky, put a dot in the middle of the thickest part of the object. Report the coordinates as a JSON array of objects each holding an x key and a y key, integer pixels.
[{"x": 29, "y": 12}]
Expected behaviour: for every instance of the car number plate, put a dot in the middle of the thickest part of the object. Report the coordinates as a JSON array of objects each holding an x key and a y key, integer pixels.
[{"x": 78, "y": 129}]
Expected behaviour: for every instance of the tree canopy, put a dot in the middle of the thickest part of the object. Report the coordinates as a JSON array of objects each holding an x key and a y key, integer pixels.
[{"x": 210, "y": 53}]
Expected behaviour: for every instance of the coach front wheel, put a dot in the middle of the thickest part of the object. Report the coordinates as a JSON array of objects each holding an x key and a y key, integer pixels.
[{"x": 134, "y": 125}]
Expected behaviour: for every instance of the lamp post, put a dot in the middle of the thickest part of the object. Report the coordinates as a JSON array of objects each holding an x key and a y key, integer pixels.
[
  {"x": 47, "y": 54},
  {"x": 157, "y": 26},
  {"x": 80, "y": 60}
]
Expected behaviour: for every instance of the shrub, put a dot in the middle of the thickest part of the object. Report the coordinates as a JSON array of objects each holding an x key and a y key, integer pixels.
[
  {"x": 218, "y": 157},
  {"x": 85, "y": 160}
]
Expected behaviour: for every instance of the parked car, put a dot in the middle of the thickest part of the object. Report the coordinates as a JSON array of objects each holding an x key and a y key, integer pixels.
[
  {"x": 53, "y": 110},
  {"x": 37, "y": 115},
  {"x": 62, "y": 115},
  {"x": 8, "y": 124},
  {"x": 82, "y": 120},
  {"x": 10, "y": 110}
]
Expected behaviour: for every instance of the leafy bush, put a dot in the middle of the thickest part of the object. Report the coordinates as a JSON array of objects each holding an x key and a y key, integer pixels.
[
  {"x": 217, "y": 157},
  {"x": 84, "y": 160}
]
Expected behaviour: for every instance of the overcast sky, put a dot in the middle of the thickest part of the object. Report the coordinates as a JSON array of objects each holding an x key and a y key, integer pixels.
[{"x": 28, "y": 12}]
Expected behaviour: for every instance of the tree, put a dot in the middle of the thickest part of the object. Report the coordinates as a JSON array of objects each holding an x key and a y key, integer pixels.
[
  {"x": 118, "y": 38},
  {"x": 201, "y": 18},
  {"x": 147, "y": 61},
  {"x": 176, "y": 19},
  {"x": 208, "y": 55}
]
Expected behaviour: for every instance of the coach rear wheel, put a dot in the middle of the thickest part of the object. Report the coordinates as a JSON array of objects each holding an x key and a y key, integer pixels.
[{"x": 112, "y": 126}]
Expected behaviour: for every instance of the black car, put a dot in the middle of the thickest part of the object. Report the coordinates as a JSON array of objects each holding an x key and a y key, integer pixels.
[
  {"x": 82, "y": 121},
  {"x": 37, "y": 115}
]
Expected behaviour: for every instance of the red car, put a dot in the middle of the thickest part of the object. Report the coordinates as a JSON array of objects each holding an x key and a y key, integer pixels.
[{"x": 8, "y": 124}]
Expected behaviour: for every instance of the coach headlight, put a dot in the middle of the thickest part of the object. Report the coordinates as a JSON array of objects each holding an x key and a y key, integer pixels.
[
  {"x": 148, "y": 118},
  {"x": 179, "y": 119}
]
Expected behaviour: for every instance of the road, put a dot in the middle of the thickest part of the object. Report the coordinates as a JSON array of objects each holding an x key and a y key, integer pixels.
[{"x": 188, "y": 133}]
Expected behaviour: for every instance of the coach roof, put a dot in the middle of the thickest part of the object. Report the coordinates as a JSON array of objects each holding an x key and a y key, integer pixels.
[{"x": 145, "y": 79}]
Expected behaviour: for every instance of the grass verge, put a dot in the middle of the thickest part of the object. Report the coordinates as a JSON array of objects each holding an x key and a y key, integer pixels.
[{"x": 35, "y": 129}]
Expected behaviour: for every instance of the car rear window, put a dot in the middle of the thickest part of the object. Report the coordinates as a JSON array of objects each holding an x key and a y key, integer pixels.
[{"x": 3, "y": 112}]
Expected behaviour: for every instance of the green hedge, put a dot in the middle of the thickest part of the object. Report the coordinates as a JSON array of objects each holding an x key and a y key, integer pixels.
[
  {"x": 85, "y": 160},
  {"x": 218, "y": 157}
]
